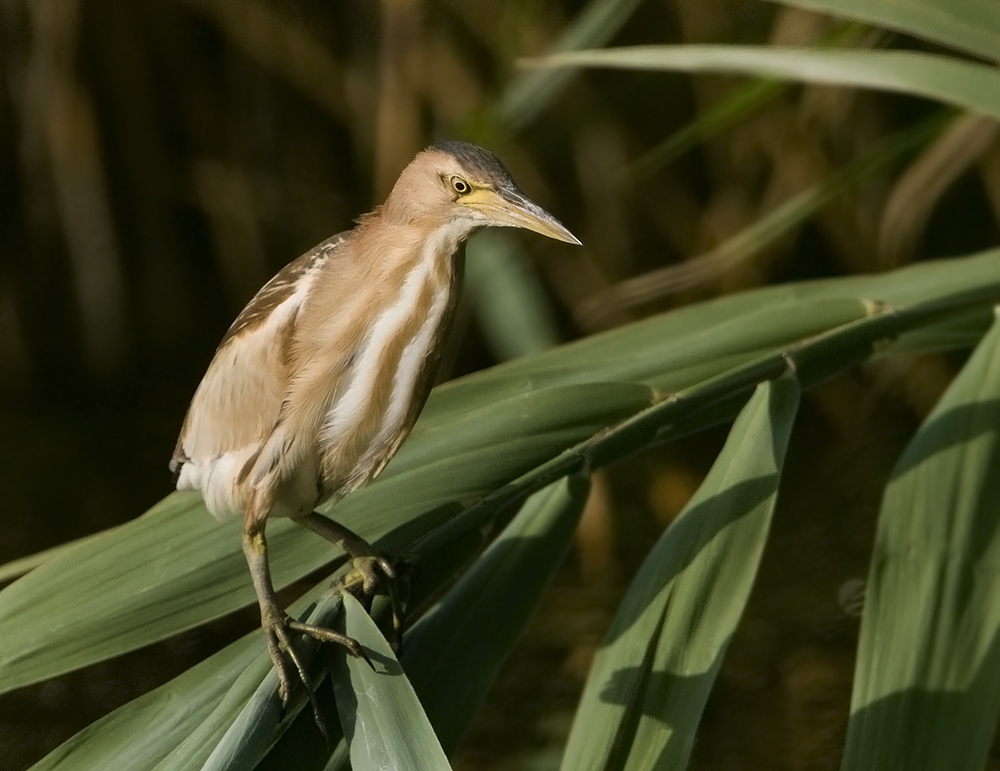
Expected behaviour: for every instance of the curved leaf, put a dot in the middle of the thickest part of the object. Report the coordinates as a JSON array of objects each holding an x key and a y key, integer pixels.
[
  {"x": 967, "y": 25},
  {"x": 927, "y": 681},
  {"x": 253, "y": 731},
  {"x": 175, "y": 567},
  {"x": 383, "y": 721},
  {"x": 952, "y": 81},
  {"x": 453, "y": 653},
  {"x": 651, "y": 677},
  {"x": 143, "y": 734}
]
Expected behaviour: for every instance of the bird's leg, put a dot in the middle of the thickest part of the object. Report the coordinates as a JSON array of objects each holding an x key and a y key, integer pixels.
[
  {"x": 277, "y": 625},
  {"x": 371, "y": 567},
  {"x": 273, "y": 619}
]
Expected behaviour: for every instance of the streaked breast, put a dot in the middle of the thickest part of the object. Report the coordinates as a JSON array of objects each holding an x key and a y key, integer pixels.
[{"x": 390, "y": 373}]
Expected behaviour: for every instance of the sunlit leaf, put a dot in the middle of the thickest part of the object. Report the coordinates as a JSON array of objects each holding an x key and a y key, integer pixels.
[
  {"x": 651, "y": 678},
  {"x": 453, "y": 654},
  {"x": 144, "y": 734},
  {"x": 252, "y": 732},
  {"x": 953, "y": 81},
  {"x": 175, "y": 567},
  {"x": 968, "y": 25},
  {"x": 927, "y": 682},
  {"x": 383, "y": 721}
]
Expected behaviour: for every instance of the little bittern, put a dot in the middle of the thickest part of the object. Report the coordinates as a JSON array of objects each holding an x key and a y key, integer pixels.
[{"x": 321, "y": 377}]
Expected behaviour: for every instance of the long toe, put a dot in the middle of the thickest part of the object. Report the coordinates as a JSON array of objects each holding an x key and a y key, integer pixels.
[
  {"x": 377, "y": 575},
  {"x": 277, "y": 642},
  {"x": 323, "y": 634},
  {"x": 279, "y": 645},
  {"x": 285, "y": 662},
  {"x": 373, "y": 572}
]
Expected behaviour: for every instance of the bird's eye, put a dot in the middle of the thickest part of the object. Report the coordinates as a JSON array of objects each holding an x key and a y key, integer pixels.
[{"x": 460, "y": 186}]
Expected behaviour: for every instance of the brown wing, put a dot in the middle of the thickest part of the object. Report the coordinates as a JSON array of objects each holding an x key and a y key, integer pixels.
[{"x": 239, "y": 399}]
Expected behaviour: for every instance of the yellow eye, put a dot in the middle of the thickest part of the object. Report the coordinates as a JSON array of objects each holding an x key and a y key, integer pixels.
[{"x": 460, "y": 186}]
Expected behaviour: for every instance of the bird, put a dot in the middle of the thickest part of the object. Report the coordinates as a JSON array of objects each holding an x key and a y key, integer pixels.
[{"x": 321, "y": 377}]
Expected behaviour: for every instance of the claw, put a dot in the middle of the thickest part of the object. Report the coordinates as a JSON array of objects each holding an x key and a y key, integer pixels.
[
  {"x": 376, "y": 573},
  {"x": 277, "y": 624},
  {"x": 279, "y": 645},
  {"x": 371, "y": 569},
  {"x": 281, "y": 650}
]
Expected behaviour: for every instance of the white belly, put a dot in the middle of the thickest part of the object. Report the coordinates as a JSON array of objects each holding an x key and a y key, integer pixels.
[{"x": 218, "y": 480}]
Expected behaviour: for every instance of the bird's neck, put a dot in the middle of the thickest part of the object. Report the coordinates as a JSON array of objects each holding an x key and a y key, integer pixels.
[{"x": 389, "y": 244}]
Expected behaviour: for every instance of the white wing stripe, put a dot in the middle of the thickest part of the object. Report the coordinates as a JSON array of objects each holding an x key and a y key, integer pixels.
[
  {"x": 349, "y": 408},
  {"x": 410, "y": 364}
]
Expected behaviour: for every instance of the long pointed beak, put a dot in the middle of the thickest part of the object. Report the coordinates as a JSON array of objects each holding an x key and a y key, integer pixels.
[{"x": 511, "y": 208}]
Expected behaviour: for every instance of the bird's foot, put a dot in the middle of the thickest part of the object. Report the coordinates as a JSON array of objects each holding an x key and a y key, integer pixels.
[
  {"x": 278, "y": 629},
  {"x": 373, "y": 571},
  {"x": 375, "y": 574}
]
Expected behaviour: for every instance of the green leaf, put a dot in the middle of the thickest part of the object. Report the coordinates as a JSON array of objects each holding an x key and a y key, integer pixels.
[
  {"x": 651, "y": 677},
  {"x": 453, "y": 653},
  {"x": 383, "y": 721},
  {"x": 171, "y": 720},
  {"x": 230, "y": 697},
  {"x": 175, "y": 567},
  {"x": 968, "y": 25},
  {"x": 674, "y": 350},
  {"x": 927, "y": 682},
  {"x": 224, "y": 710},
  {"x": 508, "y": 296},
  {"x": 707, "y": 354},
  {"x": 254, "y": 730},
  {"x": 952, "y": 81}
]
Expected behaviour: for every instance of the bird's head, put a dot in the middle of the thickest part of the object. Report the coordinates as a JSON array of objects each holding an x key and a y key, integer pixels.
[{"x": 461, "y": 185}]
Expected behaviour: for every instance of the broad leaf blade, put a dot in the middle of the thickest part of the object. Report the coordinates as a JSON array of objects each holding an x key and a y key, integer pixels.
[
  {"x": 383, "y": 721},
  {"x": 175, "y": 568},
  {"x": 963, "y": 84},
  {"x": 677, "y": 349},
  {"x": 255, "y": 729},
  {"x": 927, "y": 681},
  {"x": 968, "y": 25},
  {"x": 179, "y": 725},
  {"x": 454, "y": 653},
  {"x": 651, "y": 678},
  {"x": 143, "y": 734}
]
